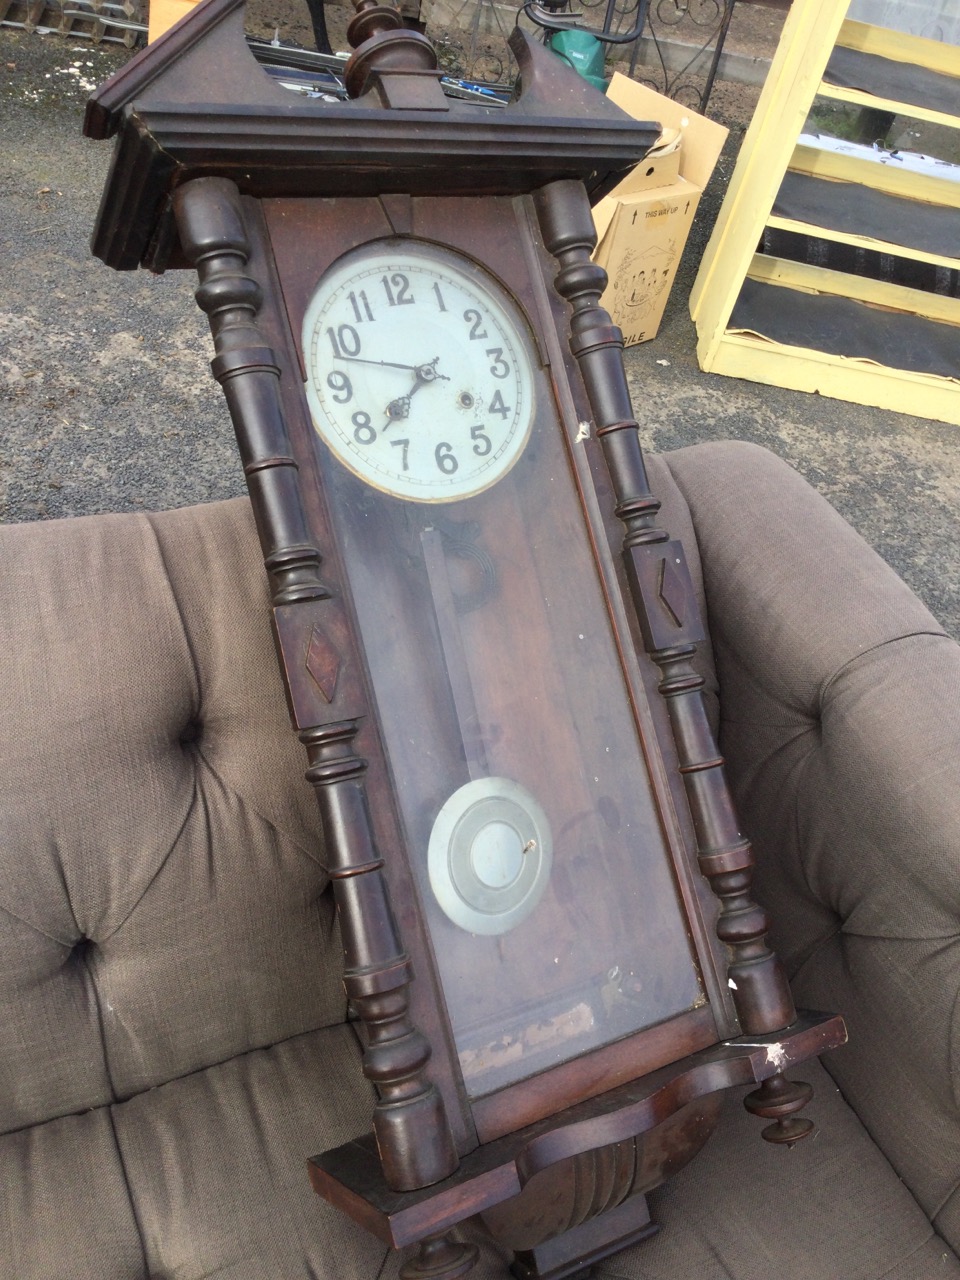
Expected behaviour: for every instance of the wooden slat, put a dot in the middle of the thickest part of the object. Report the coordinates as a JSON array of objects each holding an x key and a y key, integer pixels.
[
  {"x": 860, "y": 99},
  {"x": 934, "y": 55},
  {"x": 887, "y": 177},
  {"x": 878, "y": 293},
  {"x": 769, "y": 149},
  {"x": 800, "y": 369},
  {"x": 863, "y": 242},
  {"x": 809, "y": 34}
]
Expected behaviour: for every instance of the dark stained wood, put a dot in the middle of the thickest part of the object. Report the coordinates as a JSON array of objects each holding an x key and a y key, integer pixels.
[
  {"x": 599, "y": 500},
  {"x": 413, "y": 1134},
  {"x": 779, "y": 1099},
  {"x": 440, "y": 1256},
  {"x": 594, "y": 1204},
  {"x": 305, "y": 237},
  {"x": 212, "y": 230},
  {"x": 587, "y": 1243},
  {"x": 414, "y": 1141},
  {"x": 551, "y": 1073},
  {"x": 604, "y": 1069},
  {"x": 667, "y": 611},
  {"x": 350, "y": 1176},
  {"x": 334, "y": 622},
  {"x": 196, "y": 103}
]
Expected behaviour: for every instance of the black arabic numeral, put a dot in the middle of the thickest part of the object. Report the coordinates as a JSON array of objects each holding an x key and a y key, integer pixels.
[
  {"x": 341, "y": 387},
  {"x": 363, "y": 432},
  {"x": 482, "y": 442},
  {"x": 405, "y": 446},
  {"x": 474, "y": 319},
  {"x": 443, "y": 454},
  {"x": 399, "y": 282},
  {"x": 361, "y": 306},
  {"x": 346, "y": 340},
  {"x": 499, "y": 368},
  {"x": 497, "y": 406}
]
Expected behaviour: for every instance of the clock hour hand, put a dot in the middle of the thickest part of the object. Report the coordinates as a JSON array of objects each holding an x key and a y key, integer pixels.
[{"x": 423, "y": 373}]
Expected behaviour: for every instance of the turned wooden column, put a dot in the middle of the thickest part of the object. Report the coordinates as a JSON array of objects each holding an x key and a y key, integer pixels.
[
  {"x": 669, "y": 618},
  {"x": 212, "y": 232},
  {"x": 413, "y": 1134}
]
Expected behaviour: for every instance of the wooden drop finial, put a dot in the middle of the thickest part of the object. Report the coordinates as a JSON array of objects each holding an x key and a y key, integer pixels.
[
  {"x": 440, "y": 1258},
  {"x": 779, "y": 1099}
]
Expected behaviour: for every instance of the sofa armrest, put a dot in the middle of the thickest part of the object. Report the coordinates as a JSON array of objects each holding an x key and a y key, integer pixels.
[{"x": 839, "y": 697}]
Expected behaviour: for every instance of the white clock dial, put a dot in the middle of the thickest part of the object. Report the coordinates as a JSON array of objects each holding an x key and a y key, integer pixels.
[{"x": 419, "y": 371}]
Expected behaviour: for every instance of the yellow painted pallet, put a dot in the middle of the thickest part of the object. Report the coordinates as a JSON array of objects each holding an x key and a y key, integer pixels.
[{"x": 765, "y": 317}]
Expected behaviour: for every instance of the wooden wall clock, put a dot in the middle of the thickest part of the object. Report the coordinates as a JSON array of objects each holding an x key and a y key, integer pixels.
[{"x": 550, "y": 945}]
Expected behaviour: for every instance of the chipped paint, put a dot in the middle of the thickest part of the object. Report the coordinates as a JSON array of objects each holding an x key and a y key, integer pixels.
[{"x": 777, "y": 1055}]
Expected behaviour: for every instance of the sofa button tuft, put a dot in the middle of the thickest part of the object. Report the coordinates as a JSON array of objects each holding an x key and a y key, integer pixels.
[{"x": 191, "y": 732}]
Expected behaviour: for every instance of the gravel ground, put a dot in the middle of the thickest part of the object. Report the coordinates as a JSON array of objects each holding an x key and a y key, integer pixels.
[
  {"x": 107, "y": 403},
  {"x": 107, "y": 400}
]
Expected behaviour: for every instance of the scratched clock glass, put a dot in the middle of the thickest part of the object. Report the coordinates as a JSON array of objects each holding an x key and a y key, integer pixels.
[{"x": 537, "y": 842}]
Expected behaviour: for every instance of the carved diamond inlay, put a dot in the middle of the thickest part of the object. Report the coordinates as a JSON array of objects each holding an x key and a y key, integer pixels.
[
  {"x": 323, "y": 662},
  {"x": 672, "y": 589}
]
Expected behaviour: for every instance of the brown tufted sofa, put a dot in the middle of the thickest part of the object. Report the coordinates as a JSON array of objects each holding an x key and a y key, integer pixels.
[{"x": 173, "y": 1042}]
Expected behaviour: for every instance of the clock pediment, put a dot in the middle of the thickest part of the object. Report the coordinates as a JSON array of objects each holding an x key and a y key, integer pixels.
[{"x": 197, "y": 104}]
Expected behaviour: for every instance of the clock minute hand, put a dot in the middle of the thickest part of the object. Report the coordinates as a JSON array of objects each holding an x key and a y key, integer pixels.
[{"x": 389, "y": 364}]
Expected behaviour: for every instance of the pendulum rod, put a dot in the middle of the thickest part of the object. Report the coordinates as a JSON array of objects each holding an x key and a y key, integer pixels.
[{"x": 454, "y": 657}]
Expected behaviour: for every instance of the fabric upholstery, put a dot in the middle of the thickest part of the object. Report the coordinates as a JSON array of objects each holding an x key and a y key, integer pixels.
[
  {"x": 175, "y": 1042},
  {"x": 826, "y": 1210},
  {"x": 65, "y": 1209},
  {"x": 216, "y": 1163},
  {"x": 140, "y": 805},
  {"x": 838, "y": 694}
]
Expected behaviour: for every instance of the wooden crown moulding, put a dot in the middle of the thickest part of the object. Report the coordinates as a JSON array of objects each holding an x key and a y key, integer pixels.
[{"x": 197, "y": 104}]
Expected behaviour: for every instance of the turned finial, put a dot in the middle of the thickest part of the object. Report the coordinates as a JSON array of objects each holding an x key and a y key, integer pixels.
[
  {"x": 779, "y": 1099},
  {"x": 384, "y": 47}
]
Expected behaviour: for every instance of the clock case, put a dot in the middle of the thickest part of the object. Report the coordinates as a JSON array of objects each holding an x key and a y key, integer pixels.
[{"x": 217, "y": 167}]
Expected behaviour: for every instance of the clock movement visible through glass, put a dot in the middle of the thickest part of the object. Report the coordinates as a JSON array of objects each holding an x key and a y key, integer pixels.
[{"x": 501, "y": 701}]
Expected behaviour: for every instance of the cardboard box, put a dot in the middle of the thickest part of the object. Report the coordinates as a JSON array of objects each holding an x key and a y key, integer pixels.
[
  {"x": 163, "y": 14},
  {"x": 643, "y": 224}
]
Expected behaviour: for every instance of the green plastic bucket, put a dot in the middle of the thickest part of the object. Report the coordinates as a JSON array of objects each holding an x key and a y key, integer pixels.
[{"x": 582, "y": 51}]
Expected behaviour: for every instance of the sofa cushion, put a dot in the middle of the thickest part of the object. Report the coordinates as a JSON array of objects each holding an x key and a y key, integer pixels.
[
  {"x": 65, "y": 1208},
  {"x": 206, "y": 1176},
  {"x": 840, "y": 728},
  {"x": 182, "y": 971},
  {"x": 217, "y": 1165},
  {"x": 830, "y": 1208},
  {"x": 164, "y": 905}
]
